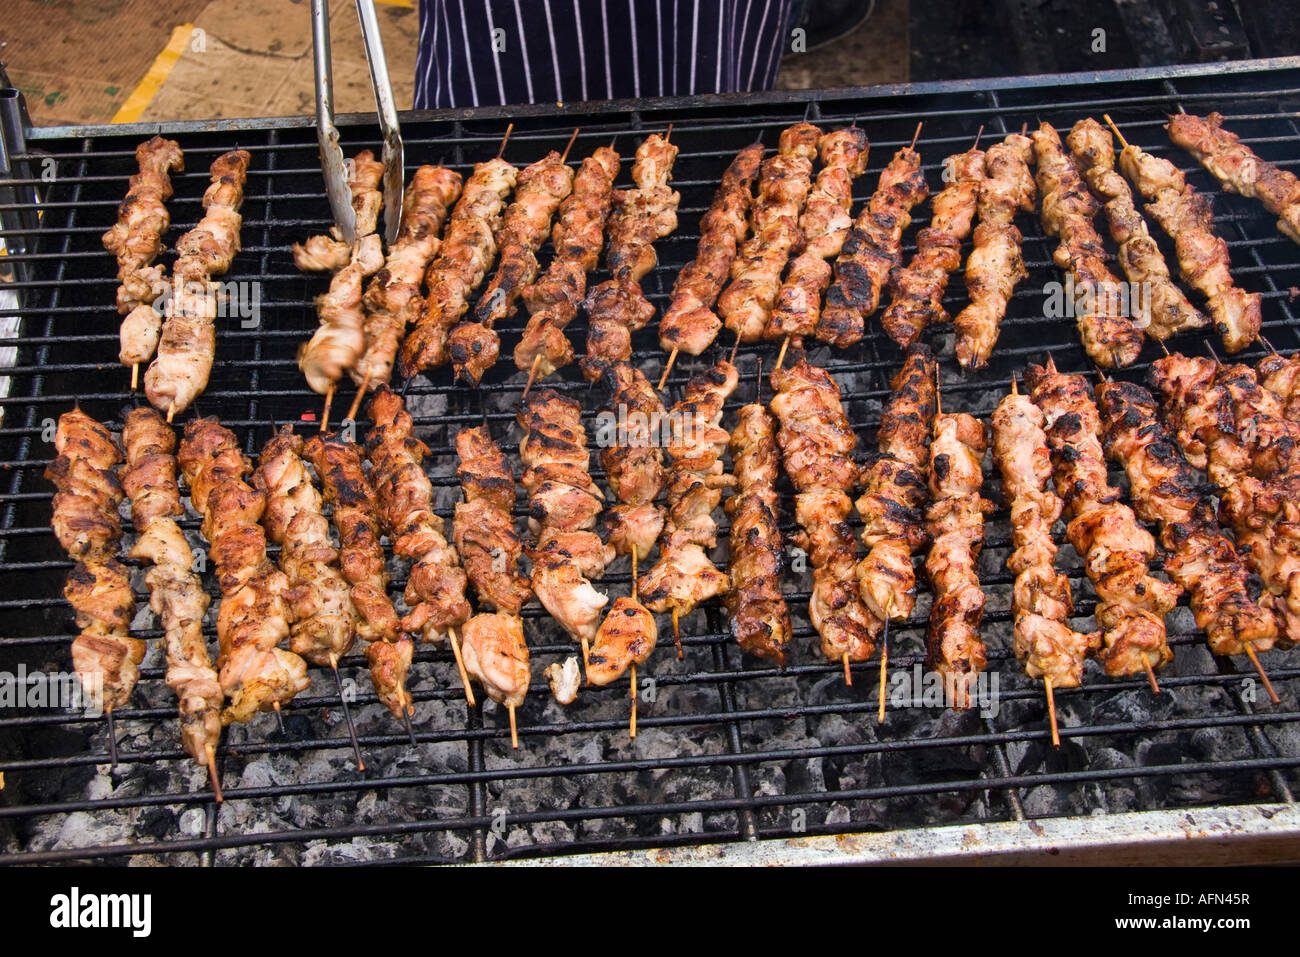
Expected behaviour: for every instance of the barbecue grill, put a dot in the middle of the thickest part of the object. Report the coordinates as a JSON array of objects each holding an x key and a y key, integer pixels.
[{"x": 735, "y": 760}]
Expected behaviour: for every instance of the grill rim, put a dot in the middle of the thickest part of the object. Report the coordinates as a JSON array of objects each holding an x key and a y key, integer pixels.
[{"x": 643, "y": 104}]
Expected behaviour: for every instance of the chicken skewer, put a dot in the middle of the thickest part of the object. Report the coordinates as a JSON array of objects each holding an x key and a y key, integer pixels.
[
  {"x": 339, "y": 342},
  {"x": 435, "y": 588},
  {"x": 1281, "y": 376},
  {"x": 393, "y": 297},
  {"x": 917, "y": 291},
  {"x": 1226, "y": 424},
  {"x": 176, "y": 593},
  {"x": 85, "y": 522},
  {"x": 1110, "y": 337},
  {"x": 1163, "y": 308},
  {"x": 684, "y": 576},
  {"x": 689, "y": 324},
  {"x": 872, "y": 249},
  {"x": 1203, "y": 262},
  {"x": 1132, "y": 604},
  {"x": 136, "y": 240},
  {"x": 816, "y": 441},
  {"x": 563, "y": 505},
  {"x": 323, "y": 619},
  {"x": 760, "y": 618},
  {"x": 955, "y": 523},
  {"x": 617, "y": 307},
  {"x": 179, "y": 372},
  {"x": 1044, "y": 643},
  {"x": 578, "y": 237},
  {"x": 1165, "y": 489},
  {"x": 633, "y": 460},
  {"x": 468, "y": 250},
  {"x": 539, "y": 191},
  {"x": 496, "y": 656},
  {"x": 783, "y": 187},
  {"x": 347, "y": 487},
  {"x": 1239, "y": 168},
  {"x": 995, "y": 264},
  {"x": 825, "y": 225},
  {"x": 894, "y": 492},
  {"x": 328, "y": 252},
  {"x": 255, "y": 673}
]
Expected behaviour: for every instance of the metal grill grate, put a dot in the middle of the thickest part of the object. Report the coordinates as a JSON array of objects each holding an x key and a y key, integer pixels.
[{"x": 730, "y": 749}]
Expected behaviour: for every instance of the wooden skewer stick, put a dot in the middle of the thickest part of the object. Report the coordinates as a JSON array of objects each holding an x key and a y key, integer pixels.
[
  {"x": 347, "y": 713},
  {"x": 1164, "y": 348},
  {"x": 1209, "y": 346},
  {"x": 1051, "y": 710},
  {"x": 460, "y": 666},
  {"x": 171, "y": 411},
  {"x": 514, "y": 728},
  {"x": 279, "y": 717},
  {"x": 884, "y": 663},
  {"x": 1268, "y": 345},
  {"x": 1151, "y": 675},
  {"x": 780, "y": 356},
  {"x": 406, "y": 714},
  {"x": 325, "y": 413},
  {"x": 213, "y": 777},
  {"x": 112, "y": 739},
  {"x": 532, "y": 375},
  {"x": 1111, "y": 123},
  {"x": 135, "y": 375},
  {"x": 565, "y": 155},
  {"x": 848, "y": 673},
  {"x": 668, "y": 133},
  {"x": 505, "y": 139},
  {"x": 632, "y": 725},
  {"x": 978, "y": 134},
  {"x": 1263, "y": 675},
  {"x": 735, "y": 347},
  {"x": 355, "y": 407},
  {"x": 663, "y": 379},
  {"x": 677, "y": 633},
  {"x": 916, "y": 135}
]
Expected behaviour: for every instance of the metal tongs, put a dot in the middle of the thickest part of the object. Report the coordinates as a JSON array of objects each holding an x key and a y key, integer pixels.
[{"x": 333, "y": 165}]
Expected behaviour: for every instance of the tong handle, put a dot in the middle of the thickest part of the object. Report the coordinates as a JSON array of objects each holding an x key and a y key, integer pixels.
[{"x": 333, "y": 165}]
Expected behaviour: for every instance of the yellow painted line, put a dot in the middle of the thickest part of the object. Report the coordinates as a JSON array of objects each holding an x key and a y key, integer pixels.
[
  {"x": 409, "y": 4},
  {"x": 147, "y": 89}
]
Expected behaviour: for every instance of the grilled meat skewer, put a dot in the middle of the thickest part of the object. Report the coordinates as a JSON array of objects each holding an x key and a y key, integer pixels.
[
  {"x": 871, "y": 250},
  {"x": 1163, "y": 309},
  {"x": 255, "y": 674},
  {"x": 186, "y": 350},
  {"x": 783, "y": 187},
  {"x": 136, "y": 240},
  {"x": 995, "y": 264},
  {"x": 1132, "y": 604},
  {"x": 578, "y": 236},
  {"x": 176, "y": 593},
  {"x": 689, "y": 324},
  {"x": 1239, "y": 168},
  {"x": 85, "y": 522},
  {"x": 347, "y": 487}
]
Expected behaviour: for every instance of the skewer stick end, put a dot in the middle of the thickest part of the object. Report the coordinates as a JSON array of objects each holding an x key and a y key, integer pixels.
[
  {"x": 916, "y": 135},
  {"x": 213, "y": 777},
  {"x": 677, "y": 633},
  {"x": 668, "y": 368},
  {"x": 514, "y": 727},
  {"x": 848, "y": 672},
  {"x": 355, "y": 407},
  {"x": 565, "y": 155},
  {"x": 632, "y": 724},
  {"x": 1263, "y": 675},
  {"x": 171, "y": 413},
  {"x": 532, "y": 375},
  {"x": 325, "y": 412},
  {"x": 780, "y": 356},
  {"x": 135, "y": 375},
  {"x": 460, "y": 666},
  {"x": 1151, "y": 675},
  {"x": 1051, "y": 710}
]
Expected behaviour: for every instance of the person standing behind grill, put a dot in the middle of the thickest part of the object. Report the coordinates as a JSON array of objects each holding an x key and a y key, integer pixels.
[{"x": 493, "y": 52}]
